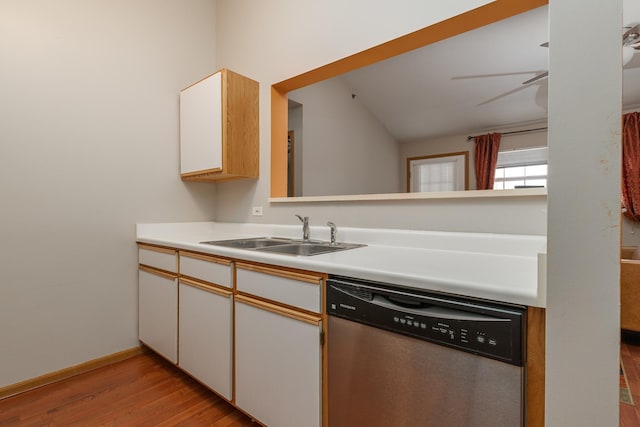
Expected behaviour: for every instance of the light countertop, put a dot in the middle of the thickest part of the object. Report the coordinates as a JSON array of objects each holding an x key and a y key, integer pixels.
[{"x": 499, "y": 267}]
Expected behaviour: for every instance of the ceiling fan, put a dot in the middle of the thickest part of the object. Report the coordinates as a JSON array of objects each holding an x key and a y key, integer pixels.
[{"x": 630, "y": 44}]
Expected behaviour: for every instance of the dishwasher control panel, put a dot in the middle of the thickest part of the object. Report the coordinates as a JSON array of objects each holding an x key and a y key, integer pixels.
[{"x": 488, "y": 329}]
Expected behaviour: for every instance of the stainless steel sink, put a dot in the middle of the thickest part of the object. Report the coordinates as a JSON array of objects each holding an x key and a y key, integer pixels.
[
  {"x": 308, "y": 248},
  {"x": 251, "y": 243},
  {"x": 284, "y": 246}
]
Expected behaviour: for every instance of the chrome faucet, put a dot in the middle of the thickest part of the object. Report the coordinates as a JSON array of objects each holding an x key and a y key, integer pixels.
[
  {"x": 305, "y": 227},
  {"x": 334, "y": 231}
]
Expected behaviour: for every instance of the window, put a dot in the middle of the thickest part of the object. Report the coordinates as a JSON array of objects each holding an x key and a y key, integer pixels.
[
  {"x": 521, "y": 169},
  {"x": 443, "y": 172}
]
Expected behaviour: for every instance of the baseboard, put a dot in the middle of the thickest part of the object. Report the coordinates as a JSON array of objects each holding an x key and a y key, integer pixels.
[{"x": 30, "y": 384}]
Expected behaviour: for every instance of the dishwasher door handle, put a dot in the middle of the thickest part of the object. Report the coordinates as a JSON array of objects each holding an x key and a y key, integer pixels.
[{"x": 429, "y": 310}]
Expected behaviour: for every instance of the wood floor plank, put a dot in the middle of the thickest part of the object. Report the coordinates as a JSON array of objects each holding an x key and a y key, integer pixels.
[{"x": 144, "y": 390}]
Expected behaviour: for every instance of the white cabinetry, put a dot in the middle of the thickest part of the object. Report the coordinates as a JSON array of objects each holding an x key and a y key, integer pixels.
[
  {"x": 206, "y": 335},
  {"x": 279, "y": 345},
  {"x": 158, "y": 300},
  {"x": 219, "y": 128},
  {"x": 158, "y": 312},
  {"x": 293, "y": 288},
  {"x": 257, "y": 340},
  {"x": 278, "y": 364},
  {"x": 206, "y": 320}
]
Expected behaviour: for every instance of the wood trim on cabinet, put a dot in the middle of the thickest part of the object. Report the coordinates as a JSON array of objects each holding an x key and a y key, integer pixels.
[
  {"x": 62, "y": 374},
  {"x": 214, "y": 289},
  {"x": 535, "y": 367},
  {"x": 200, "y": 174},
  {"x": 287, "y": 274},
  {"x": 163, "y": 249},
  {"x": 204, "y": 257},
  {"x": 277, "y": 309},
  {"x": 241, "y": 101},
  {"x": 157, "y": 272}
]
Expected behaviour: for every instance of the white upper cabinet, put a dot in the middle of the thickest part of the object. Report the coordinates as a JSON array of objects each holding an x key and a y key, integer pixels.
[
  {"x": 219, "y": 135},
  {"x": 200, "y": 132}
]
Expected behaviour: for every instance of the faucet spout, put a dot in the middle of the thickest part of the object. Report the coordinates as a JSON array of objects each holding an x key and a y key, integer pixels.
[
  {"x": 334, "y": 231},
  {"x": 305, "y": 227}
]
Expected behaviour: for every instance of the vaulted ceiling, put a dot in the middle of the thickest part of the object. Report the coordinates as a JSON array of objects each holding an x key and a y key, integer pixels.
[{"x": 472, "y": 82}]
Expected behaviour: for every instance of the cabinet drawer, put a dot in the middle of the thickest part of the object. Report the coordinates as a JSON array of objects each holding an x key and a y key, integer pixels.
[
  {"x": 162, "y": 258},
  {"x": 206, "y": 268},
  {"x": 299, "y": 290}
]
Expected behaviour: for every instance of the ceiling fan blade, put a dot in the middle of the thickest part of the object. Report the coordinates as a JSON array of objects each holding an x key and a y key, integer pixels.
[
  {"x": 536, "y": 78},
  {"x": 482, "y": 76},
  {"x": 511, "y": 92}
]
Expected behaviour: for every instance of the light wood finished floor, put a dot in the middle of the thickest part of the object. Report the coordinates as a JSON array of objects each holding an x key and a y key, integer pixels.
[{"x": 144, "y": 390}]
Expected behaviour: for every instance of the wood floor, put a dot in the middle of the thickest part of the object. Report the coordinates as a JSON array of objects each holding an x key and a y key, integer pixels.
[
  {"x": 148, "y": 391},
  {"x": 630, "y": 354},
  {"x": 144, "y": 390}
]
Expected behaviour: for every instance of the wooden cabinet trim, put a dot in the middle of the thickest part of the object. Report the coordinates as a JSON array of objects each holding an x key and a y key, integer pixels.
[
  {"x": 535, "y": 367},
  {"x": 203, "y": 257},
  {"x": 276, "y": 309},
  {"x": 206, "y": 287},
  {"x": 157, "y": 272},
  {"x": 163, "y": 249},
  {"x": 287, "y": 274},
  {"x": 197, "y": 174}
]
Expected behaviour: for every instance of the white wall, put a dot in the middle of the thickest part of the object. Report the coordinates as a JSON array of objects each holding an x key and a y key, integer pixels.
[
  {"x": 314, "y": 35},
  {"x": 89, "y": 131},
  {"x": 349, "y": 151}
]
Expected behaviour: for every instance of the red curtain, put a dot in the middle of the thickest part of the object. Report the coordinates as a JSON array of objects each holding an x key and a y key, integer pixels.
[
  {"x": 486, "y": 158},
  {"x": 631, "y": 165}
]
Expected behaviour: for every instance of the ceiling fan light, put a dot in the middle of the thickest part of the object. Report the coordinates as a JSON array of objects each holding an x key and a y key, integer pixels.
[{"x": 627, "y": 54}]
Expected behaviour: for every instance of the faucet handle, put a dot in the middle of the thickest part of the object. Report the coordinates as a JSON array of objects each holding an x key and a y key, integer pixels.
[
  {"x": 334, "y": 231},
  {"x": 305, "y": 227}
]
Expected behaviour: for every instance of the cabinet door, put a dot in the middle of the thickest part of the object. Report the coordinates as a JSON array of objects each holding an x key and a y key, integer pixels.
[
  {"x": 278, "y": 365},
  {"x": 205, "y": 335},
  {"x": 158, "y": 312},
  {"x": 201, "y": 125}
]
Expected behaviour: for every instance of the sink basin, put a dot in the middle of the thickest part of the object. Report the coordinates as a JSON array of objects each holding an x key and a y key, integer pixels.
[
  {"x": 307, "y": 248},
  {"x": 251, "y": 243},
  {"x": 281, "y": 245}
]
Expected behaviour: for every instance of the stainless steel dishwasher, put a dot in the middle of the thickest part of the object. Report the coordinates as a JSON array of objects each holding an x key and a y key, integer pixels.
[{"x": 405, "y": 358}]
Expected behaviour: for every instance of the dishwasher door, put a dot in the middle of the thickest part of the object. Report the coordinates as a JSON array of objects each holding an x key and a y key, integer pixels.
[{"x": 379, "y": 377}]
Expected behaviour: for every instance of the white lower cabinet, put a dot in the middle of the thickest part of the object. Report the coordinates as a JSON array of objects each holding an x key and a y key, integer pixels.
[
  {"x": 205, "y": 325},
  {"x": 158, "y": 312},
  {"x": 278, "y": 364}
]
